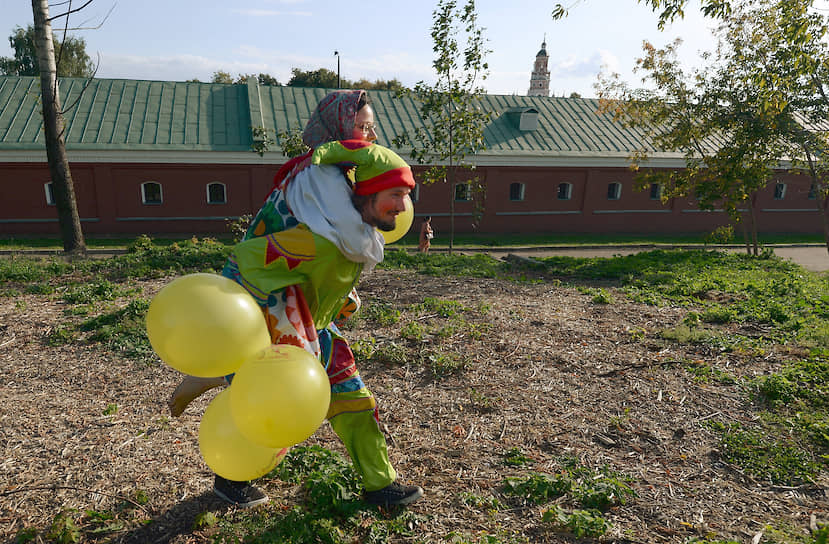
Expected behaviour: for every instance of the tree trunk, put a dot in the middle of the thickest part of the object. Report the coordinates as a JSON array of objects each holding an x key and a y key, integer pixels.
[
  {"x": 452, "y": 176},
  {"x": 746, "y": 237},
  {"x": 53, "y": 123},
  {"x": 753, "y": 223},
  {"x": 452, "y": 181},
  {"x": 823, "y": 213},
  {"x": 820, "y": 189}
]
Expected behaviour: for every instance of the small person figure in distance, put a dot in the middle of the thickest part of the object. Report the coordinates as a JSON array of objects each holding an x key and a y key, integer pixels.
[{"x": 426, "y": 235}]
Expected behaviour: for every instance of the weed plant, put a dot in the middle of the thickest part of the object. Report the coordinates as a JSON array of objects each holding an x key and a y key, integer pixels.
[
  {"x": 803, "y": 383},
  {"x": 767, "y": 455},
  {"x": 122, "y": 331},
  {"x": 331, "y": 510},
  {"x": 592, "y": 492},
  {"x": 797, "y": 417},
  {"x": 514, "y": 457},
  {"x": 580, "y": 523},
  {"x": 381, "y": 313}
]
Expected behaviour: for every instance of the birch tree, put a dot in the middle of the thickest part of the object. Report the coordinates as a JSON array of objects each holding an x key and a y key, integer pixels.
[
  {"x": 54, "y": 127},
  {"x": 450, "y": 108}
]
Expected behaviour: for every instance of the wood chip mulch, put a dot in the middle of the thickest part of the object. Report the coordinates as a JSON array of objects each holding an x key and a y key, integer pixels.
[{"x": 548, "y": 371}]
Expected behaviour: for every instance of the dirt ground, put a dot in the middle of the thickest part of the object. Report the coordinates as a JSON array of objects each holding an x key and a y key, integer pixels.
[{"x": 553, "y": 374}]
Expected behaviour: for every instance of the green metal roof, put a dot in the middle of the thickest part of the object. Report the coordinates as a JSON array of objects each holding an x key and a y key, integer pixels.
[
  {"x": 117, "y": 114},
  {"x": 129, "y": 114}
]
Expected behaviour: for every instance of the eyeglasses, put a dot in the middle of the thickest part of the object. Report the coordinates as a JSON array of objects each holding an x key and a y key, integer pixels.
[{"x": 367, "y": 127}]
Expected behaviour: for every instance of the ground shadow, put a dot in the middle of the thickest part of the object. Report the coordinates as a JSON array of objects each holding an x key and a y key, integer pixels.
[{"x": 178, "y": 520}]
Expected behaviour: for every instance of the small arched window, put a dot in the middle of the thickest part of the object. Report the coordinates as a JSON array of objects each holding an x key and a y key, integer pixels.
[
  {"x": 812, "y": 192},
  {"x": 656, "y": 191},
  {"x": 516, "y": 191},
  {"x": 415, "y": 194},
  {"x": 151, "y": 192},
  {"x": 779, "y": 190},
  {"x": 216, "y": 193},
  {"x": 49, "y": 189},
  {"x": 565, "y": 191},
  {"x": 614, "y": 191}
]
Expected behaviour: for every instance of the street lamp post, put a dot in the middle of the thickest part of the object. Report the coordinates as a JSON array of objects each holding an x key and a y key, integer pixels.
[{"x": 337, "y": 53}]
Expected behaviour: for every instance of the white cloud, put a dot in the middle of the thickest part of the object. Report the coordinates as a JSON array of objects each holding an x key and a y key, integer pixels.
[
  {"x": 577, "y": 66},
  {"x": 172, "y": 68},
  {"x": 609, "y": 61}
]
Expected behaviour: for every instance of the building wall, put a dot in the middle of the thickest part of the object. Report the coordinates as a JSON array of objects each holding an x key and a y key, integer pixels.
[
  {"x": 588, "y": 210},
  {"x": 109, "y": 201},
  {"x": 109, "y": 198}
]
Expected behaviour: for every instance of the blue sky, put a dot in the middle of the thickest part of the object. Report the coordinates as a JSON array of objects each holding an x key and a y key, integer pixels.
[{"x": 377, "y": 39}]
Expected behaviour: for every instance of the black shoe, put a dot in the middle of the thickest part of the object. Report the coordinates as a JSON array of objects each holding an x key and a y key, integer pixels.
[
  {"x": 393, "y": 494},
  {"x": 241, "y": 494}
]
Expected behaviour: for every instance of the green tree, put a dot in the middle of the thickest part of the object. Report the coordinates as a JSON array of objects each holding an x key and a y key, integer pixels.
[
  {"x": 670, "y": 9},
  {"x": 717, "y": 131},
  {"x": 738, "y": 121},
  {"x": 379, "y": 85},
  {"x": 221, "y": 77},
  {"x": 269, "y": 80},
  {"x": 291, "y": 142},
  {"x": 323, "y": 78},
  {"x": 450, "y": 108},
  {"x": 784, "y": 44},
  {"x": 54, "y": 127},
  {"x": 71, "y": 57},
  {"x": 327, "y": 79}
]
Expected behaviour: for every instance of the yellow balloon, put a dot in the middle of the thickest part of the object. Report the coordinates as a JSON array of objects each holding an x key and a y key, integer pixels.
[
  {"x": 206, "y": 325},
  {"x": 280, "y": 397},
  {"x": 226, "y": 451},
  {"x": 403, "y": 223}
]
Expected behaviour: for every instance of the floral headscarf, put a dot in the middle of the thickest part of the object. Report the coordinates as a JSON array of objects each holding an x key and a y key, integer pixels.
[{"x": 333, "y": 119}]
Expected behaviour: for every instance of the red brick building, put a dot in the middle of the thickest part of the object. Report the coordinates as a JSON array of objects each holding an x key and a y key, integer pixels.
[{"x": 162, "y": 157}]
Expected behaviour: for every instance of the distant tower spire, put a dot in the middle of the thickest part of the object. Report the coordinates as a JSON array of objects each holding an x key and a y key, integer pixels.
[{"x": 540, "y": 79}]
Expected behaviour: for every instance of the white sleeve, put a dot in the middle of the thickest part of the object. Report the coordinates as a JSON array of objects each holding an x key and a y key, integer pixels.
[{"x": 320, "y": 197}]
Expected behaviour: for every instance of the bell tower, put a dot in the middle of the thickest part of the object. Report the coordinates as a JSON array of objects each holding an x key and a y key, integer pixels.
[{"x": 540, "y": 79}]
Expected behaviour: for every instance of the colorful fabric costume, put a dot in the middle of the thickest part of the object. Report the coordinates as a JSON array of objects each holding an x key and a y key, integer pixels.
[{"x": 303, "y": 275}]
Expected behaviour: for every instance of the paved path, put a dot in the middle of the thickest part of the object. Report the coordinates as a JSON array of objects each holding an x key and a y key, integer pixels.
[{"x": 811, "y": 257}]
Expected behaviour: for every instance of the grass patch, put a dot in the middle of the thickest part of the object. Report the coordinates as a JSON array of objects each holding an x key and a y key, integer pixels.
[
  {"x": 514, "y": 457},
  {"x": 442, "y": 364},
  {"x": 715, "y": 340},
  {"x": 579, "y": 523},
  {"x": 766, "y": 455},
  {"x": 330, "y": 508},
  {"x": 440, "y": 264},
  {"x": 440, "y": 307},
  {"x": 728, "y": 287},
  {"x": 381, "y": 313},
  {"x": 98, "y": 290},
  {"x": 588, "y": 493},
  {"x": 123, "y": 330},
  {"x": 800, "y": 384},
  {"x": 588, "y": 488},
  {"x": 705, "y": 373},
  {"x": 486, "y": 503}
]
